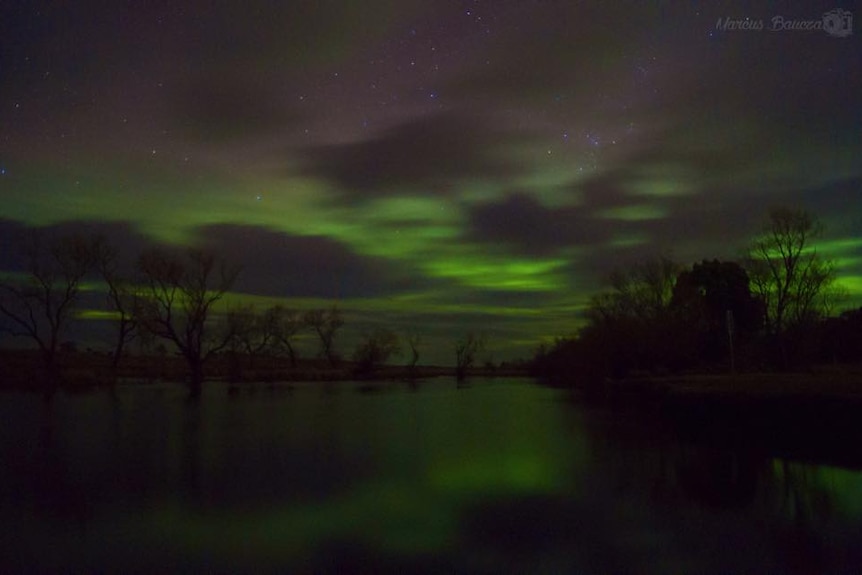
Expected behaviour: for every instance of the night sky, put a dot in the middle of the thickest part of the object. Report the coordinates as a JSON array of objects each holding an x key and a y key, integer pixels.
[{"x": 432, "y": 166}]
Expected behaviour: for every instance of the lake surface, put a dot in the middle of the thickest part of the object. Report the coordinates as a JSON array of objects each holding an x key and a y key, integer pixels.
[{"x": 498, "y": 476}]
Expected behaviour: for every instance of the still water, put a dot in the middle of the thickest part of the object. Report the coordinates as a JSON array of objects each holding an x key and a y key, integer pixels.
[{"x": 499, "y": 476}]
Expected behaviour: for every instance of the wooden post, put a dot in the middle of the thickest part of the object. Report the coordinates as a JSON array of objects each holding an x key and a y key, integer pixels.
[{"x": 729, "y": 321}]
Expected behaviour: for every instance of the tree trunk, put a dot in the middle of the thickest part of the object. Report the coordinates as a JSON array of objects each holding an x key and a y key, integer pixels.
[
  {"x": 118, "y": 353},
  {"x": 196, "y": 378},
  {"x": 51, "y": 374}
]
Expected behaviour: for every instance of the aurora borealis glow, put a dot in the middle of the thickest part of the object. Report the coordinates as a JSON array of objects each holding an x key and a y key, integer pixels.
[{"x": 439, "y": 166}]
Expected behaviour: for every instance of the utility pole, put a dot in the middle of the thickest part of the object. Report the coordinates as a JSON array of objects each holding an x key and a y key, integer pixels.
[{"x": 729, "y": 321}]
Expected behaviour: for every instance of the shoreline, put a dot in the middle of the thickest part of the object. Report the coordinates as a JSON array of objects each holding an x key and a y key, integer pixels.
[
  {"x": 21, "y": 370},
  {"x": 814, "y": 417}
]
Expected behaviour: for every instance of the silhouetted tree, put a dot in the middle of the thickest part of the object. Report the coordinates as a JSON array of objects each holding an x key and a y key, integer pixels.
[
  {"x": 255, "y": 333},
  {"x": 629, "y": 326},
  {"x": 122, "y": 298},
  {"x": 413, "y": 342},
  {"x": 466, "y": 350},
  {"x": 842, "y": 338},
  {"x": 787, "y": 273},
  {"x": 643, "y": 292},
  {"x": 252, "y": 334},
  {"x": 39, "y": 305},
  {"x": 326, "y": 324},
  {"x": 375, "y": 349},
  {"x": 286, "y": 323},
  {"x": 178, "y": 296},
  {"x": 710, "y": 299}
]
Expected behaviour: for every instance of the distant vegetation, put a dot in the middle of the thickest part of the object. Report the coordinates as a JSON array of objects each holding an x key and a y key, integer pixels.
[
  {"x": 769, "y": 311},
  {"x": 168, "y": 302}
]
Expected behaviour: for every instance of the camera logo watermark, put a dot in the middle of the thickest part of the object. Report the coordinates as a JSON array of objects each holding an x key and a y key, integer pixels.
[{"x": 837, "y": 23}]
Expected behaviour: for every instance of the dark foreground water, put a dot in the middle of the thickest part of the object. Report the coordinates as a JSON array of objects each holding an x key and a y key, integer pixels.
[{"x": 500, "y": 476}]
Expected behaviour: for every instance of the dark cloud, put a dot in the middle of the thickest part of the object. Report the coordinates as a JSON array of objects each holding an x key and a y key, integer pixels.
[
  {"x": 842, "y": 200},
  {"x": 284, "y": 265},
  {"x": 524, "y": 226},
  {"x": 271, "y": 263},
  {"x": 429, "y": 153},
  {"x": 123, "y": 237},
  {"x": 13, "y": 237}
]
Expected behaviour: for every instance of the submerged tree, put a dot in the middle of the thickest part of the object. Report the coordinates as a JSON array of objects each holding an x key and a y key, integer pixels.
[
  {"x": 253, "y": 333},
  {"x": 122, "y": 297},
  {"x": 39, "y": 305},
  {"x": 178, "y": 296},
  {"x": 326, "y": 324},
  {"x": 466, "y": 350},
  {"x": 413, "y": 342},
  {"x": 286, "y": 323},
  {"x": 375, "y": 349}
]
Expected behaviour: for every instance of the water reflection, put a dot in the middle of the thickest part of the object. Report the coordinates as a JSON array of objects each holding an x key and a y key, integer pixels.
[{"x": 498, "y": 477}]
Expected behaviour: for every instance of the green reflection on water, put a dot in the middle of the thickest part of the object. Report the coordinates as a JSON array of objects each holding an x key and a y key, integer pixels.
[
  {"x": 431, "y": 452},
  {"x": 500, "y": 473},
  {"x": 813, "y": 491}
]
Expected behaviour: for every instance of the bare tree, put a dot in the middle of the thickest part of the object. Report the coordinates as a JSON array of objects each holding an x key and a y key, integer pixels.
[
  {"x": 177, "y": 302},
  {"x": 286, "y": 323},
  {"x": 326, "y": 324},
  {"x": 122, "y": 298},
  {"x": 643, "y": 292},
  {"x": 786, "y": 271},
  {"x": 466, "y": 350},
  {"x": 253, "y": 333},
  {"x": 375, "y": 349},
  {"x": 413, "y": 342},
  {"x": 39, "y": 305}
]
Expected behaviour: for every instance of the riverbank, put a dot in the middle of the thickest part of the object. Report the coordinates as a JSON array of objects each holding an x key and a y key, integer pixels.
[
  {"x": 833, "y": 382},
  {"x": 80, "y": 371},
  {"x": 814, "y": 416}
]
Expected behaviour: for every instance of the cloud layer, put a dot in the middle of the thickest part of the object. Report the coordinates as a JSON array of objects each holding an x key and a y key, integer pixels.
[{"x": 476, "y": 161}]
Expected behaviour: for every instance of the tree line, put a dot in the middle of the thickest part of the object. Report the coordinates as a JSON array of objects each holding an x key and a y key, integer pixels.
[
  {"x": 171, "y": 296},
  {"x": 772, "y": 310}
]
